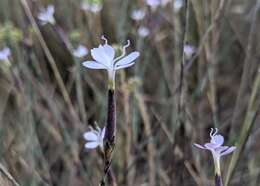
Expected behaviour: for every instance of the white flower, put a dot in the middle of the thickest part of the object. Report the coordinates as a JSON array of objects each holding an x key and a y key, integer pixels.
[
  {"x": 178, "y": 4},
  {"x": 188, "y": 50},
  {"x": 104, "y": 57},
  {"x": 46, "y": 15},
  {"x": 138, "y": 14},
  {"x": 92, "y": 7},
  {"x": 4, "y": 54},
  {"x": 153, "y": 3},
  {"x": 80, "y": 52},
  {"x": 216, "y": 148},
  {"x": 143, "y": 31},
  {"x": 94, "y": 138}
]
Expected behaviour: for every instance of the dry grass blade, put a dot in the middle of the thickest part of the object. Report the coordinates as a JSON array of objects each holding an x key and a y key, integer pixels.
[
  {"x": 252, "y": 111},
  {"x": 4, "y": 172}
]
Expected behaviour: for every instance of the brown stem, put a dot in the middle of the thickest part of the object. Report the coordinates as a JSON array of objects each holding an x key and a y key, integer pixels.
[
  {"x": 110, "y": 136},
  {"x": 218, "y": 180}
]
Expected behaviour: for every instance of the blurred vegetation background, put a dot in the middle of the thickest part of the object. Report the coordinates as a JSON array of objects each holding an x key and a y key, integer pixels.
[{"x": 165, "y": 102}]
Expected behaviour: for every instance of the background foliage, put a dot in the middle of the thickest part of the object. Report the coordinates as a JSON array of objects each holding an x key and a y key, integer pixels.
[{"x": 164, "y": 104}]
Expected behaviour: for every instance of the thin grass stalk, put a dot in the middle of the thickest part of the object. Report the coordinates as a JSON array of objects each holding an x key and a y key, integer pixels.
[
  {"x": 128, "y": 158},
  {"x": 151, "y": 150},
  {"x": 50, "y": 59},
  {"x": 252, "y": 107},
  {"x": 251, "y": 114},
  {"x": 8, "y": 175},
  {"x": 246, "y": 69},
  {"x": 212, "y": 71}
]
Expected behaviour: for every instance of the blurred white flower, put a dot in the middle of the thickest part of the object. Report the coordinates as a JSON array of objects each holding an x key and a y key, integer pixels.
[
  {"x": 178, "y": 4},
  {"x": 4, "y": 54},
  {"x": 80, "y": 52},
  {"x": 143, "y": 31},
  {"x": 153, "y": 3},
  {"x": 46, "y": 15},
  {"x": 104, "y": 59},
  {"x": 92, "y": 7},
  {"x": 188, "y": 50},
  {"x": 94, "y": 138},
  {"x": 216, "y": 148},
  {"x": 138, "y": 14}
]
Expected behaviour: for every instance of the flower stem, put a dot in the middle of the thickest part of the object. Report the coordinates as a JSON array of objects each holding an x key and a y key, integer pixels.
[
  {"x": 218, "y": 180},
  {"x": 110, "y": 135},
  {"x": 111, "y": 80}
]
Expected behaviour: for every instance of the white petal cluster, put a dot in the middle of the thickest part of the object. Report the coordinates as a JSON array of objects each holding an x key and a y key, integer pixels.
[
  {"x": 178, "y": 4},
  {"x": 4, "y": 54},
  {"x": 216, "y": 148},
  {"x": 91, "y": 7},
  {"x": 94, "y": 138},
  {"x": 153, "y": 3},
  {"x": 104, "y": 57},
  {"x": 189, "y": 50},
  {"x": 46, "y": 15},
  {"x": 143, "y": 31},
  {"x": 215, "y": 145},
  {"x": 138, "y": 14},
  {"x": 80, "y": 51}
]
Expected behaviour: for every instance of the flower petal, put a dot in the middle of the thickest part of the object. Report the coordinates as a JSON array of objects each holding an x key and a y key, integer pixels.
[
  {"x": 80, "y": 52},
  {"x": 43, "y": 16},
  {"x": 217, "y": 139},
  {"x": 5, "y": 53},
  {"x": 90, "y": 136},
  {"x": 103, "y": 133},
  {"x": 127, "y": 61},
  {"x": 229, "y": 150},
  {"x": 91, "y": 145},
  {"x": 199, "y": 146},
  {"x": 109, "y": 51},
  {"x": 211, "y": 146},
  {"x": 50, "y": 9},
  {"x": 101, "y": 56},
  {"x": 221, "y": 149},
  {"x": 93, "y": 65}
]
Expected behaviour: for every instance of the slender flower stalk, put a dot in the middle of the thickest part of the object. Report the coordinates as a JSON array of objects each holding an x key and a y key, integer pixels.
[
  {"x": 217, "y": 150},
  {"x": 104, "y": 57}
]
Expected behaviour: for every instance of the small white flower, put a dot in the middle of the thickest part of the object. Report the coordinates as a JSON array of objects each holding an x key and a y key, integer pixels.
[
  {"x": 153, "y": 3},
  {"x": 143, "y": 31},
  {"x": 138, "y": 14},
  {"x": 80, "y": 52},
  {"x": 188, "y": 50},
  {"x": 46, "y": 15},
  {"x": 178, "y": 4},
  {"x": 4, "y": 54},
  {"x": 216, "y": 148},
  {"x": 104, "y": 57},
  {"x": 94, "y": 138},
  {"x": 92, "y": 7}
]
